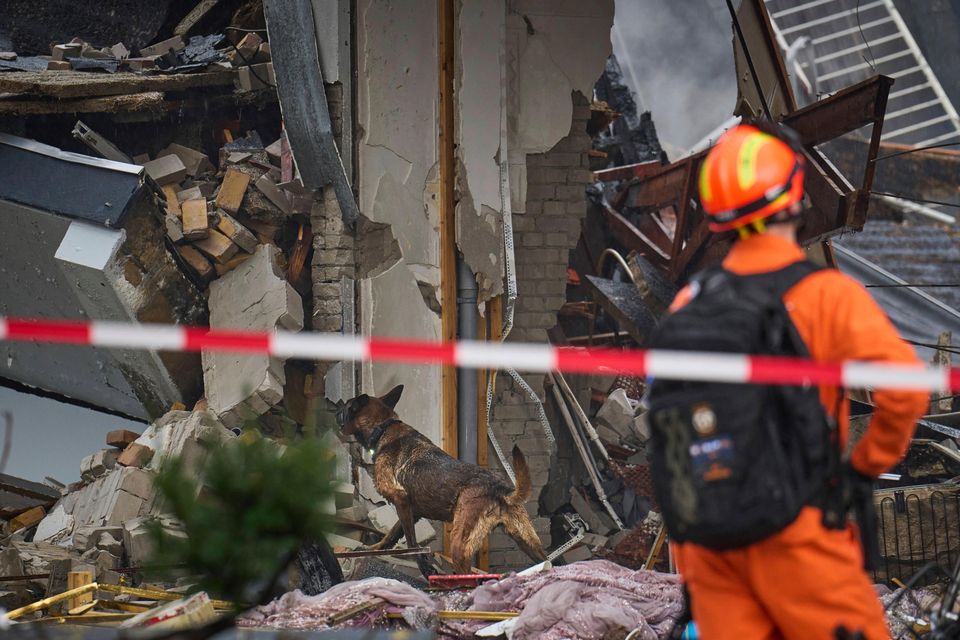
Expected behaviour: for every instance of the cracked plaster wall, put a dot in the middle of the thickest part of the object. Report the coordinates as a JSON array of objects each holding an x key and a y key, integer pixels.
[{"x": 397, "y": 87}]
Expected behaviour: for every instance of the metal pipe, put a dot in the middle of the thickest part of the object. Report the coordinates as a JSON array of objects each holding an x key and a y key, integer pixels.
[{"x": 467, "y": 401}]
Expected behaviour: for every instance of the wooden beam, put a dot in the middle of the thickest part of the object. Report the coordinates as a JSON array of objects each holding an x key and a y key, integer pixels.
[
  {"x": 633, "y": 239},
  {"x": 639, "y": 170},
  {"x": 845, "y": 111},
  {"x": 448, "y": 242}
]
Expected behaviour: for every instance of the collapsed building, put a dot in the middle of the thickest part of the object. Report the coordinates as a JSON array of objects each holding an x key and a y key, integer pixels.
[{"x": 477, "y": 172}]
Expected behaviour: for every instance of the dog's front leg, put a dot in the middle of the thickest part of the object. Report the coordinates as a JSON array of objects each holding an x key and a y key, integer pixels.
[{"x": 405, "y": 515}]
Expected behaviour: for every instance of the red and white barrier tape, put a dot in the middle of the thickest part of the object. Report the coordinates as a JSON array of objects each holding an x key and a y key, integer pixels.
[{"x": 676, "y": 365}]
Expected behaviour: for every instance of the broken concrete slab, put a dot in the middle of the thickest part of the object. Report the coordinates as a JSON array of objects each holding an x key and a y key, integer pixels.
[
  {"x": 184, "y": 434},
  {"x": 274, "y": 194},
  {"x": 97, "y": 464},
  {"x": 106, "y": 542},
  {"x": 383, "y": 518},
  {"x": 254, "y": 296},
  {"x": 58, "y": 524},
  {"x": 367, "y": 489},
  {"x": 599, "y": 523},
  {"x": 617, "y": 413}
]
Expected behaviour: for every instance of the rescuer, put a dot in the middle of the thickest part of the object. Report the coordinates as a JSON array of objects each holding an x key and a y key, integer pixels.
[{"x": 754, "y": 481}]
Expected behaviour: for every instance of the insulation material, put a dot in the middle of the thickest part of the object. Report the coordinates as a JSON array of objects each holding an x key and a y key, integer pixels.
[
  {"x": 296, "y": 611},
  {"x": 581, "y": 600}
]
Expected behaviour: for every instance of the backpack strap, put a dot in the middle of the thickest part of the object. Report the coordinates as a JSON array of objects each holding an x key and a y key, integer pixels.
[{"x": 777, "y": 283}]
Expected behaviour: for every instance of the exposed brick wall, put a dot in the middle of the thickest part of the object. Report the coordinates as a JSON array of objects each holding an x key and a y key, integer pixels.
[
  {"x": 544, "y": 235},
  {"x": 334, "y": 257}
]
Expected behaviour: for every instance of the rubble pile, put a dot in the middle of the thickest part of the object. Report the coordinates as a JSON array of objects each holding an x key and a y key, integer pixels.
[
  {"x": 98, "y": 525},
  {"x": 248, "y": 59},
  {"x": 583, "y": 600}
]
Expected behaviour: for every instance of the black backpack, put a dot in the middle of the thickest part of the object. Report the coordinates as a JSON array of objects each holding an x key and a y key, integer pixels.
[{"x": 734, "y": 463}]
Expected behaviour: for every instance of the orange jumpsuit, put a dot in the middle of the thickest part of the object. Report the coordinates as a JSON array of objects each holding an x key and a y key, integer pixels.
[{"x": 804, "y": 581}]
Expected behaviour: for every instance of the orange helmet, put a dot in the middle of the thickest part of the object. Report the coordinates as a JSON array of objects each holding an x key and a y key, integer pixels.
[{"x": 748, "y": 176}]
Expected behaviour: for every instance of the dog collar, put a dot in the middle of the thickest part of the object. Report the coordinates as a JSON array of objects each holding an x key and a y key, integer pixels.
[{"x": 378, "y": 432}]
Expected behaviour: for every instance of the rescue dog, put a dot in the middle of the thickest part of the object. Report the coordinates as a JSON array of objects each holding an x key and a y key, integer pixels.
[{"x": 422, "y": 481}]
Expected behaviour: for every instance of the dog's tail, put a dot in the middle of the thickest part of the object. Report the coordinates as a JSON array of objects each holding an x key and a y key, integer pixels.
[{"x": 522, "y": 491}]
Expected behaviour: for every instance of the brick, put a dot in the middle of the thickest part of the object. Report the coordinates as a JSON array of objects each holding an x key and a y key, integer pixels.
[
  {"x": 141, "y": 63},
  {"x": 545, "y": 176},
  {"x": 166, "y": 170},
  {"x": 196, "y": 225},
  {"x": 173, "y": 203},
  {"x": 540, "y": 192},
  {"x": 571, "y": 193},
  {"x": 135, "y": 455},
  {"x": 232, "y": 190},
  {"x": 231, "y": 264},
  {"x": 196, "y": 162},
  {"x": 162, "y": 48},
  {"x": 249, "y": 45},
  {"x": 274, "y": 194},
  {"x": 257, "y": 76},
  {"x": 58, "y": 65},
  {"x": 532, "y": 240},
  {"x": 228, "y": 226},
  {"x": 554, "y": 208},
  {"x": 584, "y": 176},
  {"x": 174, "y": 228},
  {"x": 26, "y": 519},
  {"x": 200, "y": 265},
  {"x": 217, "y": 246},
  {"x": 120, "y": 438},
  {"x": 561, "y": 159},
  {"x": 60, "y": 52}
]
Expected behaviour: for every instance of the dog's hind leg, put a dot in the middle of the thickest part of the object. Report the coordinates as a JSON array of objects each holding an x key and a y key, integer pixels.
[
  {"x": 391, "y": 539},
  {"x": 518, "y": 526}
]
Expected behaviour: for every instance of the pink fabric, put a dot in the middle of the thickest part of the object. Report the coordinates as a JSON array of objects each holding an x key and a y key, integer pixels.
[
  {"x": 294, "y": 610},
  {"x": 581, "y": 600}
]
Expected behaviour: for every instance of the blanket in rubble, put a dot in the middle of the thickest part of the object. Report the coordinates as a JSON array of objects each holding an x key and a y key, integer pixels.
[
  {"x": 587, "y": 600},
  {"x": 581, "y": 600}
]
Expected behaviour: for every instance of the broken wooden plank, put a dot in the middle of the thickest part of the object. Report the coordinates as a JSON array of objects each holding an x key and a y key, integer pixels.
[
  {"x": 231, "y": 264},
  {"x": 195, "y": 223},
  {"x": 232, "y": 190},
  {"x": 196, "y": 15},
  {"x": 217, "y": 246},
  {"x": 176, "y": 43},
  {"x": 79, "y": 84},
  {"x": 26, "y": 519}
]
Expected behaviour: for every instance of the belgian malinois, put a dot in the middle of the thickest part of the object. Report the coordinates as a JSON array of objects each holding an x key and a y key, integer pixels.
[{"x": 421, "y": 481}]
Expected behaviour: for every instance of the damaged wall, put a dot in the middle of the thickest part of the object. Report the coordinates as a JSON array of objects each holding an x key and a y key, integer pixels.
[
  {"x": 397, "y": 88},
  {"x": 556, "y": 58}
]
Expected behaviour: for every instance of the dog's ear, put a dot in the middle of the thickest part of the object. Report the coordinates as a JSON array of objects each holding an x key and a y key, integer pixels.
[{"x": 393, "y": 396}]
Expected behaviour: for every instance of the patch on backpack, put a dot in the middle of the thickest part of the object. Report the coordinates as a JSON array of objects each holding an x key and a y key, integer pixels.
[
  {"x": 712, "y": 459},
  {"x": 704, "y": 419}
]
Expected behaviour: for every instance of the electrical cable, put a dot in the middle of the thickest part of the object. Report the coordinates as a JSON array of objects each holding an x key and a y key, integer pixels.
[
  {"x": 916, "y": 149},
  {"x": 932, "y": 285},
  {"x": 912, "y": 199},
  {"x": 246, "y": 62},
  {"x": 872, "y": 61},
  {"x": 746, "y": 54}
]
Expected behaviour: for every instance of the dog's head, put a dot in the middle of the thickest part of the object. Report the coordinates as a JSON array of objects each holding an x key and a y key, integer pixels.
[{"x": 361, "y": 415}]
